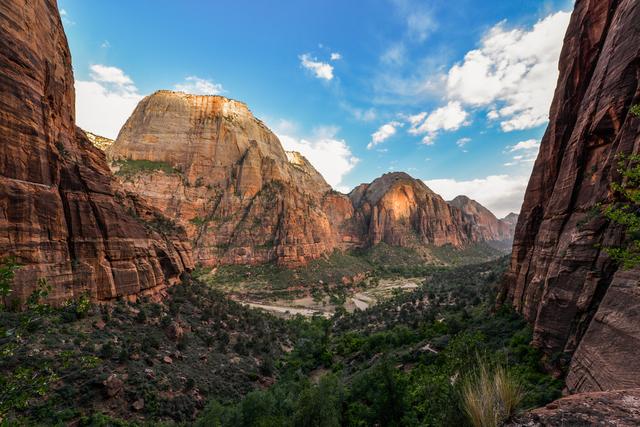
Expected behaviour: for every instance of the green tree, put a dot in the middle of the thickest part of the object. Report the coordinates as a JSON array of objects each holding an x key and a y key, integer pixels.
[
  {"x": 8, "y": 268},
  {"x": 626, "y": 212}
]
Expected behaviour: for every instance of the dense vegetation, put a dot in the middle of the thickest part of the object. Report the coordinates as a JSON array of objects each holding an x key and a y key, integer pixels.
[
  {"x": 405, "y": 361},
  {"x": 329, "y": 275},
  {"x": 402, "y": 362},
  {"x": 141, "y": 360},
  {"x": 129, "y": 168}
]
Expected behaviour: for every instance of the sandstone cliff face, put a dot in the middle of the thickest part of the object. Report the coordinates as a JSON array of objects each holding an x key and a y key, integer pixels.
[
  {"x": 62, "y": 216},
  {"x": 209, "y": 164},
  {"x": 402, "y": 211},
  {"x": 99, "y": 141},
  {"x": 511, "y": 220},
  {"x": 579, "y": 301},
  {"x": 241, "y": 198},
  {"x": 483, "y": 223}
]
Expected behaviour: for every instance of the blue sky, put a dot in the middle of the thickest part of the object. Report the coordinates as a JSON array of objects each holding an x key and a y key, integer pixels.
[{"x": 453, "y": 93}]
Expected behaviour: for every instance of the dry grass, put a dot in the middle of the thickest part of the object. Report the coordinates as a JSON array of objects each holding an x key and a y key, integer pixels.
[{"x": 491, "y": 396}]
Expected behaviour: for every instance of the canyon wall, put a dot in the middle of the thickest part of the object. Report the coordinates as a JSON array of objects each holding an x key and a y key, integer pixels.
[
  {"x": 209, "y": 164},
  {"x": 579, "y": 302},
  {"x": 62, "y": 215}
]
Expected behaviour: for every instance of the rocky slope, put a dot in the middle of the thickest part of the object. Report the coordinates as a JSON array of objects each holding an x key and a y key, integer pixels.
[
  {"x": 209, "y": 164},
  {"x": 402, "y": 211},
  {"x": 99, "y": 141},
  {"x": 511, "y": 220},
  {"x": 578, "y": 300},
  {"x": 610, "y": 408},
  {"x": 483, "y": 222},
  {"x": 62, "y": 216}
]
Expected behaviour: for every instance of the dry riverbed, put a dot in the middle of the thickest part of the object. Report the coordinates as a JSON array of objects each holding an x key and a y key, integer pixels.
[{"x": 359, "y": 298}]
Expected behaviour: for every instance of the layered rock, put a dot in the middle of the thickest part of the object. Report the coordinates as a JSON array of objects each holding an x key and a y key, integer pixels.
[
  {"x": 99, "y": 141},
  {"x": 613, "y": 408},
  {"x": 578, "y": 300},
  {"x": 483, "y": 222},
  {"x": 208, "y": 163},
  {"x": 402, "y": 211},
  {"x": 62, "y": 216},
  {"x": 230, "y": 182},
  {"x": 511, "y": 220}
]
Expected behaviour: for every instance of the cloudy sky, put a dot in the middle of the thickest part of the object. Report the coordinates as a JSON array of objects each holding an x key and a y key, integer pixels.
[{"x": 455, "y": 93}]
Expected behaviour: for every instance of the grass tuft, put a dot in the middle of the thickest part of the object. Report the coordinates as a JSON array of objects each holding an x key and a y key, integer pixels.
[{"x": 491, "y": 396}]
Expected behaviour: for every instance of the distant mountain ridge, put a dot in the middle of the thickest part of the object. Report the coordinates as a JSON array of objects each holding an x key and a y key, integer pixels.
[{"x": 209, "y": 164}]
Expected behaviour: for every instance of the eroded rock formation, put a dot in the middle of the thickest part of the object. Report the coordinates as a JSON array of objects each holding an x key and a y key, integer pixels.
[
  {"x": 578, "y": 300},
  {"x": 402, "y": 211},
  {"x": 62, "y": 215},
  {"x": 612, "y": 408},
  {"x": 483, "y": 222},
  {"x": 209, "y": 164}
]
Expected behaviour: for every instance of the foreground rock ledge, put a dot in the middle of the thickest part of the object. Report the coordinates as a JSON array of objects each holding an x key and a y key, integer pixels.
[{"x": 610, "y": 408}]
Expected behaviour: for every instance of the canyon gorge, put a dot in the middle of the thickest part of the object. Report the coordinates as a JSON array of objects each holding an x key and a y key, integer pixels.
[{"x": 195, "y": 187}]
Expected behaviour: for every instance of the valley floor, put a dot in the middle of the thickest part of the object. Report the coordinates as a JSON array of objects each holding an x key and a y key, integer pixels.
[{"x": 390, "y": 344}]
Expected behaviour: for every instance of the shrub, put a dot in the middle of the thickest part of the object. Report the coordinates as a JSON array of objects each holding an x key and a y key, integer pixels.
[{"x": 491, "y": 396}]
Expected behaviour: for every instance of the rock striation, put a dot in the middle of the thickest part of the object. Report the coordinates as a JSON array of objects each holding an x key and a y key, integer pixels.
[
  {"x": 209, "y": 164},
  {"x": 579, "y": 302},
  {"x": 483, "y": 222},
  {"x": 611, "y": 408},
  {"x": 62, "y": 215},
  {"x": 99, "y": 141},
  {"x": 401, "y": 211},
  {"x": 227, "y": 179}
]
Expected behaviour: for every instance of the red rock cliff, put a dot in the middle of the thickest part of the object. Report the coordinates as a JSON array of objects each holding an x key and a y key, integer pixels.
[
  {"x": 579, "y": 302},
  {"x": 209, "y": 164},
  {"x": 61, "y": 214}
]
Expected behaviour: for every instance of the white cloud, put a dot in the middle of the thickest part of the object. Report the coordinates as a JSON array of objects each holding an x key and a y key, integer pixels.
[
  {"x": 448, "y": 118},
  {"x": 420, "y": 24},
  {"x": 462, "y": 142},
  {"x": 64, "y": 15},
  {"x": 105, "y": 102},
  {"x": 385, "y": 132},
  {"x": 321, "y": 70},
  {"x": 198, "y": 86},
  {"x": 501, "y": 194},
  {"x": 330, "y": 155},
  {"x": 105, "y": 44},
  {"x": 529, "y": 144},
  {"x": 396, "y": 54},
  {"x": 336, "y": 56},
  {"x": 106, "y": 74},
  {"x": 526, "y": 152},
  {"x": 418, "y": 19},
  {"x": 514, "y": 71}
]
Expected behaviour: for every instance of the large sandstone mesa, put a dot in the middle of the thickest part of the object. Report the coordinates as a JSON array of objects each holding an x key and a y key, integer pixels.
[
  {"x": 578, "y": 300},
  {"x": 62, "y": 215},
  {"x": 210, "y": 164}
]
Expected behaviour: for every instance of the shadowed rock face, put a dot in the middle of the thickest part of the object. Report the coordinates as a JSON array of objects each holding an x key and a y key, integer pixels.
[
  {"x": 560, "y": 279},
  {"x": 208, "y": 163},
  {"x": 483, "y": 222},
  {"x": 62, "y": 216}
]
